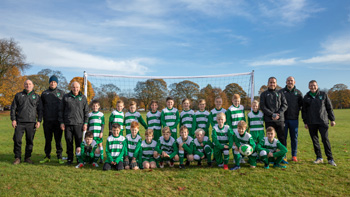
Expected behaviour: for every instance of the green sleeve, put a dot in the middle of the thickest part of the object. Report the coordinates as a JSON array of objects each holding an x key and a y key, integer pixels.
[
  {"x": 176, "y": 121},
  {"x": 283, "y": 150},
  {"x": 207, "y": 125},
  {"x": 211, "y": 120},
  {"x": 172, "y": 155},
  {"x": 143, "y": 123},
  {"x": 209, "y": 143},
  {"x": 228, "y": 118},
  {"x": 122, "y": 153},
  {"x": 196, "y": 152},
  {"x": 188, "y": 148},
  {"x": 93, "y": 151},
  {"x": 111, "y": 117},
  {"x": 138, "y": 149},
  {"x": 252, "y": 143},
  {"x": 236, "y": 141},
  {"x": 260, "y": 145},
  {"x": 230, "y": 138},
  {"x": 108, "y": 152},
  {"x": 180, "y": 121},
  {"x": 162, "y": 119},
  {"x": 158, "y": 147},
  {"x": 215, "y": 139},
  {"x": 194, "y": 124},
  {"x": 82, "y": 148},
  {"x": 249, "y": 123}
]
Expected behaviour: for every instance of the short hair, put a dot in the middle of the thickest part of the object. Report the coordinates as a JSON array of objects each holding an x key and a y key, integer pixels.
[
  {"x": 183, "y": 128},
  {"x": 271, "y": 78},
  {"x": 154, "y": 101},
  {"x": 242, "y": 124},
  {"x": 120, "y": 101},
  {"x": 89, "y": 134},
  {"x": 313, "y": 81},
  {"x": 71, "y": 85},
  {"x": 271, "y": 129},
  {"x": 200, "y": 130},
  {"x": 221, "y": 114},
  {"x": 236, "y": 96},
  {"x": 95, "y": 102},
  {"x": 255, "y": 102},
  {"x": 116, "y": 126},
  {"x": 149, "y": 132},
  {"x": 201, "y": 101},
  {"x": 218, "y": 97},
  {"x": 134, "y": 124},
  {"x": 169, "y": 98},
  {"x": 186, "y": 99},
  {"x": 132, "y": 103},
  {"x": 165, "y": 130}
]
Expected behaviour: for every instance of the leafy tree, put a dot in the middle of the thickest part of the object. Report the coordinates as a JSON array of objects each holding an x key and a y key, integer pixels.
[
  {"x": 263, "y": 88},
  {"x": 234, "y": 88},
  {"x": 182, "y": 90},
  {"x": 90, "y": 90},
  {"x": 12, "y": 83},
  {"x": 11, "y": 56},
  {"x": 208, "y": 94},
  {"x": 152, "y": 89},
  {"x": 109, "y": 95},
  {"x": 62, "y": 81},
  {"x": 340, "y": 96},
  {"x": 41, "y": 82}
]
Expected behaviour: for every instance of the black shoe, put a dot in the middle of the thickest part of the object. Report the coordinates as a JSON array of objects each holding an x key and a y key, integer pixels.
[
  {"x": 209, "y": 164},
  {"x": 69, "y": 162},
  {"x": 188, "y": 163},
  {"x": 199, "y": 163},
  {"x": 101, "y": 161},
  {"x": 181, "y": 166}
]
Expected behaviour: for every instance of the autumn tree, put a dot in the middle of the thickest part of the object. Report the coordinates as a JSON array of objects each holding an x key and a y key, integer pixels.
[
  {"x": 109, "y": 94},
  {"x": 11, "y": 56},
  {"x": 12, "y": 83},
  {"x": 90, "y": 90},
  {"x": 340, "y": 96},
  {"x": 184, "y": 89},
  {"x": 263, "y": 88},
  {"x": 152, "y": 89},
  {"x": 62, "y": 81},
  {"x": 207, "y": 93},
  {"x": 41, "y": 82}
]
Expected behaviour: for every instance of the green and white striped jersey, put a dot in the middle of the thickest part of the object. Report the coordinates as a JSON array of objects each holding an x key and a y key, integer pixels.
[
  {"x": 166, "y": 146},
  {"x": 170, "y": 118},
  {"x": 187, "y": 118},
  {"x": 221, "y": 135},
  {"x": 234, "y": 115},
  {"x": 246, "y": 138},
  {"x": 134, "y": 145},
  {"x": 213, "y": 114},
  {"x": 256, "y": 121},
  {"x": 115, "y": 147},
  {"x": 188, "y": 141},
  {"x": 148, "y": 149},
  {"x": 93, "y": 145},
  {"x": 197, "y": 144},
  {"x": 95, "y": 122},
  {"x": 268, "y": 146},
  {"x": 272, "y": 147},
  {"x": 131, "y": 117},
  {"x": 153, "y": 121},
  {"x": 202, "y": 120},
  {"x": 116, "y": 117}
]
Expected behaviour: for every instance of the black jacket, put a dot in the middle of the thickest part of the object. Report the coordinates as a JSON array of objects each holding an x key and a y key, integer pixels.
[
  {"x": 74, "y": 110},
  {"x": 51, "y": 100},
  {"x": 318, "y": 109},
  {"x": 26, "y": 107},
  {"x": 272, "y": 101},
  {"x": 294, "y": 100}
]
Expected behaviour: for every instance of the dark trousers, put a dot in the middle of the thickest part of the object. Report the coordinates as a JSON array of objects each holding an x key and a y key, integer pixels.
[
  {"x": 29, "y": 129},
  {"x": 76, "y": 132},
  {"x": 323, "y": 129},
  {"x": 279, "y": 127},
  {"x": 108, "y": 166},
  {"x": 292, "y": 126},
  {"x": 52, "y": 128}
]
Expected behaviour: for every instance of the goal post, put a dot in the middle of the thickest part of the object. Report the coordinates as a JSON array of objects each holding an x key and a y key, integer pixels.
[{"x": 146, "y": 88}]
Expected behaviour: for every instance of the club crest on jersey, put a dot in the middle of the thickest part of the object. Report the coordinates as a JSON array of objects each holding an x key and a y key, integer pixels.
[
  {"x": 58, "y": 94},
  {"x": 80, "y": 98},
  {"x": 33, "y": 96},
  {"x": 295, "y": 93},
  {"x": 320, "y": 97}
]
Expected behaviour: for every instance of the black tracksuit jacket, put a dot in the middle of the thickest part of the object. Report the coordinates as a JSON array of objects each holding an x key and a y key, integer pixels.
[{"x": 26, "y": 107}]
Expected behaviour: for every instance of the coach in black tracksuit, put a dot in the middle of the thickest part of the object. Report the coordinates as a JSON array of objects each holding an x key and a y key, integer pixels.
[
  {"x": 274, "y": 104},
  {"x": 51, "y": 99},
  {"x": 317, "y": 111},
  {"x": 26, "y": 115},
  {"x": 73, "y": 117}
]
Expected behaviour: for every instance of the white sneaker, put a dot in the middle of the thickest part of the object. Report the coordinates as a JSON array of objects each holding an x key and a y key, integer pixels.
[
  {"x": 95, "y": 164},
  {"x": 161, "y": 165},
  {"x": 80, "y": 165},
  {"x": 242, "y": 160},
  {"x": 318, "y": 160},
  {"x": 221, "y": 165},
  {"x": 332, "y": 162}
]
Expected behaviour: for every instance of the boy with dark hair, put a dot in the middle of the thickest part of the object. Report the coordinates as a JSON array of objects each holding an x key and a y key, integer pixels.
[{"x": 88, "y": 152}]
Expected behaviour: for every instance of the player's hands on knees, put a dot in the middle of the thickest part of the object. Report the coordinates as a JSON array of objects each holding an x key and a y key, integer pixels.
[
  {"x": 225, "y": 147},
  {"x": 270, "y": 154},
  {"x": 203, "y": 157}
]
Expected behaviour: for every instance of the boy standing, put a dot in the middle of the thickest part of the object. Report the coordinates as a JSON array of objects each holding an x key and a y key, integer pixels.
[
  {"x": 202, "y": 117},
  {"x": 170, "y": 117},
  {"x": 88, "y": 151},
  {"x": 256, "y": 122},
  {"x": 218, "y": 109},
  {"x": 131, "y": 116},
  {"x": 117, "y": 116},
  {"x": 187, "y": 117},
  {"x": 153, "y": 120},
  {"x": 235, "y": 112}
]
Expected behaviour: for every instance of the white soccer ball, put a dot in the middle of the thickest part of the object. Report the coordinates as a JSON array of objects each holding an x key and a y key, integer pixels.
[{"x": 246, "y": 149}]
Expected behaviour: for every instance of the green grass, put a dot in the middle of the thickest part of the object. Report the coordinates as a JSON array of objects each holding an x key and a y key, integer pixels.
[{"x": 303, "y": 178}]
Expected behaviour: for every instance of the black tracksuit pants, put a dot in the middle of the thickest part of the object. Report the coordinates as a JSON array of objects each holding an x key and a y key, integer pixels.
[
  {"x": 323, "y": 129},
  {"x": 52, "y": 128},
  {"x": 29, "y": 129},
  {"x": 76, "y": 132}
]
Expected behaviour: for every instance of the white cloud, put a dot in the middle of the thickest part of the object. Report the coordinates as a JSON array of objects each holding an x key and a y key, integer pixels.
[
  {"x": 140, "y": 7},
  {"x": 137, "y": 22},
  {"x": 274, "y": 62},
  {"x": 48, "y": 54},
  {"x": 335, "y": 58}
]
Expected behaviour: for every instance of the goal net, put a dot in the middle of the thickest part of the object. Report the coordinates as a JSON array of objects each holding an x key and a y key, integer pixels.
[{"x": 143, "y": 89}]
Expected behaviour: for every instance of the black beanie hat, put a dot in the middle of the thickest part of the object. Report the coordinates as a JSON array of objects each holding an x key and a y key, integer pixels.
[{"x": 53, "y": 78}]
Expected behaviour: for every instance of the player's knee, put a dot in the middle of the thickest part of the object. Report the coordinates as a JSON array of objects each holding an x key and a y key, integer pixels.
[
  {"x": 153, "y": 164},
  {"x": 196, "y": 157},
  {"x": 78, "y": 150},
  {"x": 226, "y": 152},
  {"x": 190, "y": 157},
  {"x": 97, "y": 151},
  {"x": 145, "y": 165},
  {"x": 176, "y": 158},
  {"x": 262, "y": 153}
]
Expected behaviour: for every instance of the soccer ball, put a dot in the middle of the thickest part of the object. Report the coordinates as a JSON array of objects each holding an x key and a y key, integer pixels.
[{"x": 246, "y": 149}]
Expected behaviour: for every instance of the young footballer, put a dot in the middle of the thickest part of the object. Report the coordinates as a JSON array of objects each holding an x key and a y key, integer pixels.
[
  {"x": 271, "y": 149},
  {"x": 218, "y": 109},
  {"x": 88, "y": 152},
  {"x": 167, "y": 148},
  {"x": 187, "y": 117},
  {"x": 185, "y": 143},
  {"x": 170, "y": 117},
  {"x": 131, "y": 116},
  {"x": 241, "y": 136},
  {"x": 235, "y": 112},
  {"x": 202, "y": 147},
  {"x": 116, "y": 148},
  {"x": 153, "y": 120},
  {"x": 202, "y": 117},
  {"x": 256, "y": 122},
  {"x": 96, "y": 123},
  {"x": 133, "y": 140},
  {"x": 149, "y": 153},
  {"x": 117, "y": 116},
  {"x": 223, "y": 140}
]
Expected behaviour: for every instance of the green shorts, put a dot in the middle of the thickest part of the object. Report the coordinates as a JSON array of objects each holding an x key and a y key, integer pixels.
[{"x": 98, "y": 140}]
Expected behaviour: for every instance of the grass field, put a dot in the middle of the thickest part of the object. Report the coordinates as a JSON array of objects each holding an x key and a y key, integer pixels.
[{"x": 302, "y": 178}]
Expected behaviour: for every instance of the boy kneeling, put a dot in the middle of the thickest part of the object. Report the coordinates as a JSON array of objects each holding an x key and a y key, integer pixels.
[
  {"x": 202, "y": 147},
  {"x": 167, "y": 148},
  {"x": 185, "y": 144},
  {"x": 149, "y": 155},
  {"x": 88, "y": 152}
]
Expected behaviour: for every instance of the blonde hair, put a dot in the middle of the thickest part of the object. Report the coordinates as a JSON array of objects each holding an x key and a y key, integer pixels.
[
  {"x": 149, "y": 132},
  {"x": 236, "y": 96},
  {"x": 201, "y": 101},
  {"x": 221, "y": 114},
  {"x": 120, "y": 102},
  {"x": 255, "y": 102},
  {"x": 132, "y": 103},
  {"x": 165, "y": 130},
  {"x": 200, "y": 130},
  {"x": 218, "y": 97},
  {"x": 134, "y": 124},
  {"x": 242, "y": 124},
  {"x": 271, "y": 129},
  {"x": 183, "y": 128}
]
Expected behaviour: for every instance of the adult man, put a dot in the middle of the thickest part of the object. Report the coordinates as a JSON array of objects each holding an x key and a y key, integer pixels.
[
  {"x": 274, "y": 104},
  {"x": 51, "y": 99},
  {"x": 317, "y": 111},
  {"x": 73, "y": 117},
  {"x": 295, "y": 101},
  {"x": 26, "y": 115}
]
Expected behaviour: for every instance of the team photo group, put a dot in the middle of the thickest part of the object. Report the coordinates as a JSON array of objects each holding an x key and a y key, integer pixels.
[{"x": 172, "y": 136}]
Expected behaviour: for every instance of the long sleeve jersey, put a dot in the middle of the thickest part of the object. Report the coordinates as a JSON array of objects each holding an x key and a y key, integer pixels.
[{"x": 222, "y": 136}]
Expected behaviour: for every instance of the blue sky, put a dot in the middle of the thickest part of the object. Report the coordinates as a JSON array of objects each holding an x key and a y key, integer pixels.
[{"x": 302, "y": 38}]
